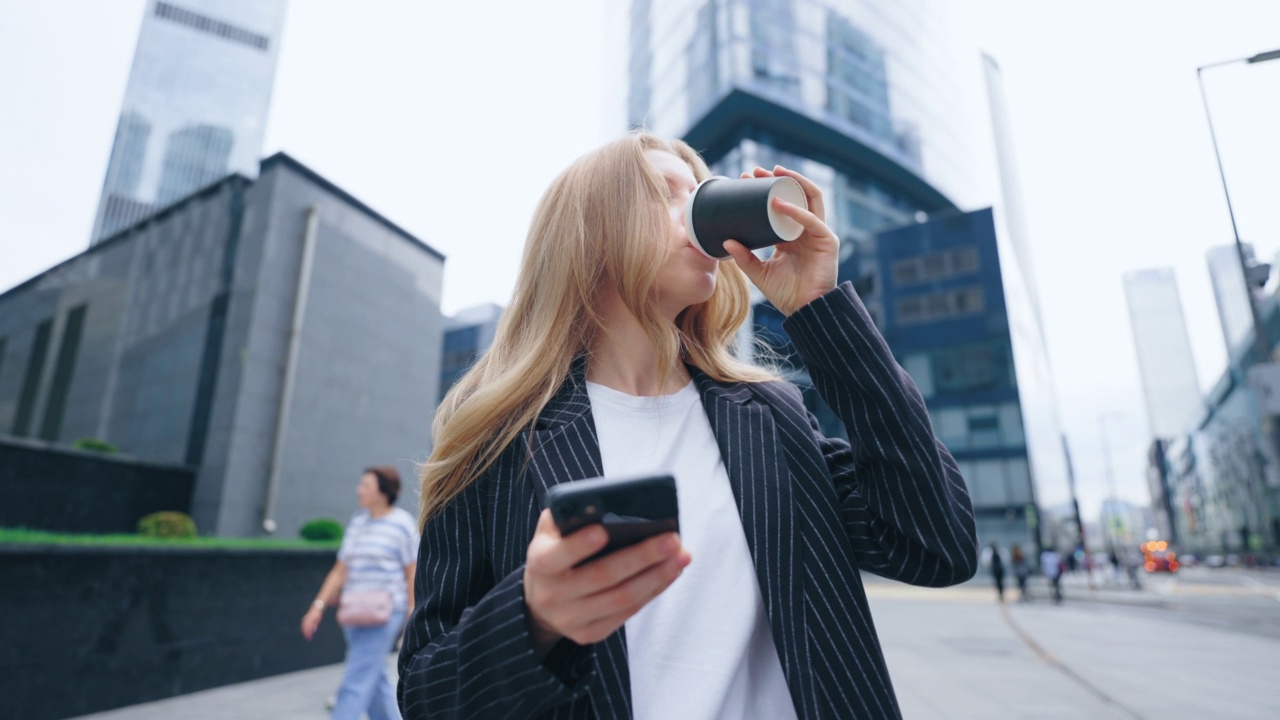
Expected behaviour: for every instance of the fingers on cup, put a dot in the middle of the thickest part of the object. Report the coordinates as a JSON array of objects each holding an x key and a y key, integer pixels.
[
  {"x": 807, "y": 219},
  {"x": 811, "y": 190},
  {"x": 746, "y": 260}
]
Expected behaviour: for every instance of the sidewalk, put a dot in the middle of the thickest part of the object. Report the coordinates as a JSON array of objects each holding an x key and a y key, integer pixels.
[{"x": 954, "y": 653}]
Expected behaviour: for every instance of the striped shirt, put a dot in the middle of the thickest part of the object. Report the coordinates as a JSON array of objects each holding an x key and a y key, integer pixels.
[{"x": 376, "y": 552}]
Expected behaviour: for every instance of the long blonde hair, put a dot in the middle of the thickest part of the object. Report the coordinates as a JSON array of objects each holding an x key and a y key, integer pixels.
[{"x": 603, "y": 220}]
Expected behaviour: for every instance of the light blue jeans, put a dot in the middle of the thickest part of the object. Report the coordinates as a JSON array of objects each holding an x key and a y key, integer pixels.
[{"x": 366, "y": 686}]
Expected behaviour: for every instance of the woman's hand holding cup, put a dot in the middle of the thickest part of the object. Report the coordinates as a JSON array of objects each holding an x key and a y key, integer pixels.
[{"x": 799, "y": 271}]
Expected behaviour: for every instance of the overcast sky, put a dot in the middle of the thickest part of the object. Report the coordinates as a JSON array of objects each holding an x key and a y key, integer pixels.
[{"x": 451, "y": 118}]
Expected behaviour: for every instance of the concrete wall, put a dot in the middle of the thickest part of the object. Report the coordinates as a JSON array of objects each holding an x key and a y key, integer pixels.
[{"x": 107, "y": 627}]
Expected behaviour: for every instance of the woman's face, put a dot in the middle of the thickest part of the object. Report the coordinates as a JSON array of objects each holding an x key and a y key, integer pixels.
[
  {"x": 367, "y": 492},
  {"x": 688, "y": 277}
]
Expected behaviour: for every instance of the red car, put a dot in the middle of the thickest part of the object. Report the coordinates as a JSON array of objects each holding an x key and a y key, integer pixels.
[{"x": 1157, "y": 557}]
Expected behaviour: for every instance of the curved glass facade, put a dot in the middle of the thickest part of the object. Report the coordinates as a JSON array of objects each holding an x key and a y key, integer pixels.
[
  {"x": 863, "y": 97},
  {"x": 881, "y": 74}
]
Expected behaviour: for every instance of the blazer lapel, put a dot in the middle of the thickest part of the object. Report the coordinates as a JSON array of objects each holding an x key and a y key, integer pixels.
[
  {"x": 564, "y": 447},
  {"x": 756, "y": 464}
]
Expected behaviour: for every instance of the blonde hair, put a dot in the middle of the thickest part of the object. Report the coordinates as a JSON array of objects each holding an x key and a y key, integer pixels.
[{"x": 603, "y": 220}]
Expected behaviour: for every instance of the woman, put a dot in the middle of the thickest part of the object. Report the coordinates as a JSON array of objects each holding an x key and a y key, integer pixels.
[
  {"x": 616, "y": 355},
  {"x": 374, "y": 571}
]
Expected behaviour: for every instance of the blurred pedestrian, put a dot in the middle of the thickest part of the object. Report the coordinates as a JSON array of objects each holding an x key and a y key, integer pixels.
[
  {"x": 372, "y": 586},
  {"x": 997, "y": 571},
  {"x": 1020, "y": 571},
  {"x": 1051, "y": 565}
]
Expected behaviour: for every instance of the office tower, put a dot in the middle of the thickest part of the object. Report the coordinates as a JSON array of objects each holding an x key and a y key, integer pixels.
[
  {"x": 195, "y": 107},
  {"x": 1167, "y": 368}
]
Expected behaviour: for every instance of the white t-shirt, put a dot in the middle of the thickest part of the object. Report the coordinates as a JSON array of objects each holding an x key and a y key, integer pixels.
[{"x": 703, "y": 648}]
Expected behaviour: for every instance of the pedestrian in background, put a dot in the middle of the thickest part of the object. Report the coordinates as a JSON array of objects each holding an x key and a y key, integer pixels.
[
  {"x": 997, "y": 571},
  {"x": 1052, "y": 567},
  {"x": 372, "y": 586},
  {"x": 1020, "y": 571}
]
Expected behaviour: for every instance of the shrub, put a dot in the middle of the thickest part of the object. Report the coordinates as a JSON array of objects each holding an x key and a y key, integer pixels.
[
  {"x": 321, "y": 529},
  {"x": 167, "y": 524},
  {"x": 94, "y": 445}
]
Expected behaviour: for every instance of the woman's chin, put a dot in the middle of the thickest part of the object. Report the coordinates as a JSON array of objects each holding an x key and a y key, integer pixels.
[{"x": 701, "y": 289}]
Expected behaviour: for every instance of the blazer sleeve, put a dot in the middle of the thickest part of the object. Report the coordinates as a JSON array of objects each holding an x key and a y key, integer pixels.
[
  {"x": 903, "y": 503},
  {"x": 467, "y": 652}
]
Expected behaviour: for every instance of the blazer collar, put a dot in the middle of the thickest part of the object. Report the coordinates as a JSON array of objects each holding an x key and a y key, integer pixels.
[{"x": 735, "y": 392}]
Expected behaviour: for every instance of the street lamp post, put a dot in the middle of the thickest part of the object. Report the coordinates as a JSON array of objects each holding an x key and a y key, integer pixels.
[
  {"x": 1075, "y": 507},
  {"x": 1252, "y": 274},
  {"x": 1113, "y": 544},
  {"x": 1261, "y": 343},
  {"x": 1111, "y": 481}
]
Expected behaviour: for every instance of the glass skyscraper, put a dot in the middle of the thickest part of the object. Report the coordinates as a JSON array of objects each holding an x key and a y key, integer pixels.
[
  {"x": 862, "y": 97},
  {"x": 1229, "y": 295},
  {"x": 1169, "y": 381},
  {"x": 195, "y": 108}
]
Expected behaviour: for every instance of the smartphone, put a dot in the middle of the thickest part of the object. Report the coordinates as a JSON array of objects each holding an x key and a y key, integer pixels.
[{"x": 630, "y": 508}]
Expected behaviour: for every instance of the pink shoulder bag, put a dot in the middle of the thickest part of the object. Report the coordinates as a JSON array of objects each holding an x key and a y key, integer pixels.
[{"x": 364, "y": 608}]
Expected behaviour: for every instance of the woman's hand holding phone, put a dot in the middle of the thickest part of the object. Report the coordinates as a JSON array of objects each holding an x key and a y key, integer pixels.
[{"x": 588, "y": 603}]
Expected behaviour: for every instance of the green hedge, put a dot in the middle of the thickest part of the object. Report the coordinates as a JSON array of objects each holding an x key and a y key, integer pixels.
[
  {"x": 23, "y": 536},
  {"x": 95, "y": 445},
  {"x": 321, "y": 529},
  {"x": 167, "y": 524}
]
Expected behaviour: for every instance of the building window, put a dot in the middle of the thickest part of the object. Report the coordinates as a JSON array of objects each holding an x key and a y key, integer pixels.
[
  {"x": 973, "y": 367},
  {"x": 206, "y": 24},
  {"x": 943, "y": 305},
  {"x": 63, "y": 369},
  {"x": 936, "y": 266},
  {"x": 31, "y": 379},
  {"x": 978, "y": 427}
]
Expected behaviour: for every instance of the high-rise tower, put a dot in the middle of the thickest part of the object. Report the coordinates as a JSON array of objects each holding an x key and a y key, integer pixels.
[{"x": 195, "y": 108}]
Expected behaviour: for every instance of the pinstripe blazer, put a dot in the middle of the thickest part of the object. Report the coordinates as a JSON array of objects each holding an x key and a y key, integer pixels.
[{"x": 814, "y": 509}]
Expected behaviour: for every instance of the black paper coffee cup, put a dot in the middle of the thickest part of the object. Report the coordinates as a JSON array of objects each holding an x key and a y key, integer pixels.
[{"x": 722, "y": 209}]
